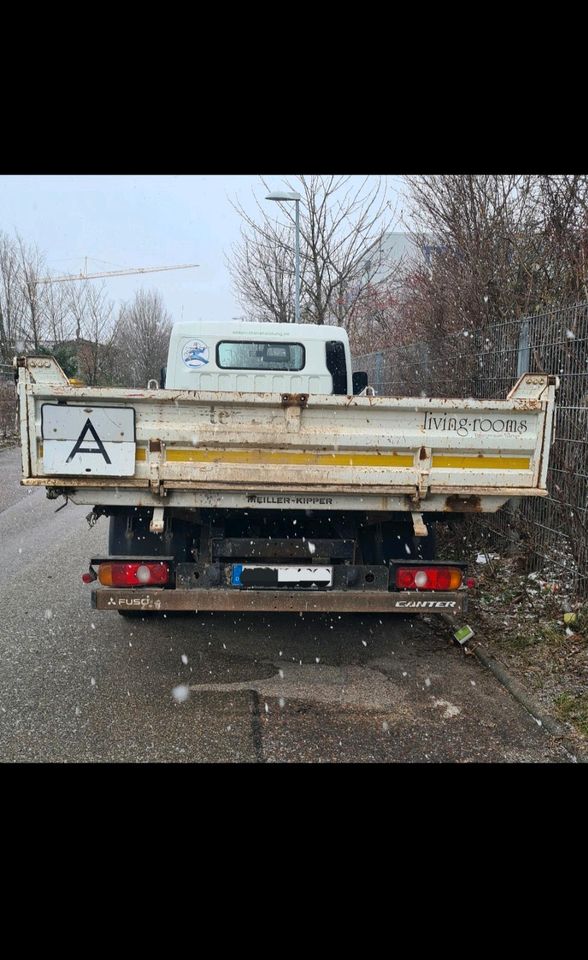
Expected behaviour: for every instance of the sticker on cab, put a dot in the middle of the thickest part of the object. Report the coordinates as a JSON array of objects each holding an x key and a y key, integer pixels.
[{"x": 195, "y": 353}]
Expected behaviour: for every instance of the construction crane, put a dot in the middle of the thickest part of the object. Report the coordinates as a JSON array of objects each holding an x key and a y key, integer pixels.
[{"x": 115, "y": 273}]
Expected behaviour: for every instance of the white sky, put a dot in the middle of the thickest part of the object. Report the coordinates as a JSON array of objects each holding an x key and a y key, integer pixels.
[{"x": 141, "y": 221}]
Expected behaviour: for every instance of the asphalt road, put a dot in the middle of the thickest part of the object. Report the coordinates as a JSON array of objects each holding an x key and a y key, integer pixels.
[{"x": 78, "y": 684}]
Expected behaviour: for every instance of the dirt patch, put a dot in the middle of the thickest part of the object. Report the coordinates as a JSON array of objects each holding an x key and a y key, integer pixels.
[
  {"x": 533, "y": 623},
  {"x": 8, "y": 413},
  {"x": 6, "y": 442}
]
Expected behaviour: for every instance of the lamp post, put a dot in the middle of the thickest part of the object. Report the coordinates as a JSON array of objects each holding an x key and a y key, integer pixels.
[{"x": 296, "y": 198}]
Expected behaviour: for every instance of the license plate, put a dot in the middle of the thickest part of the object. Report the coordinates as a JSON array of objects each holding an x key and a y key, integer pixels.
[{"x": 263, "y": 575}]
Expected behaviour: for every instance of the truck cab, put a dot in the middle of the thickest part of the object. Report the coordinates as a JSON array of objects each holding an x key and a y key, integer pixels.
[{"x": 246, "y": 357}]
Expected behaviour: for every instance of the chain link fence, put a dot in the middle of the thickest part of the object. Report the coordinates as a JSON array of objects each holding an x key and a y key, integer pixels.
[{"x": 485, "y": 364}]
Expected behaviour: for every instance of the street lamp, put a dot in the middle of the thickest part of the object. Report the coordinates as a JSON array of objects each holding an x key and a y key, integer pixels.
[{"x": 296, "y": 198}]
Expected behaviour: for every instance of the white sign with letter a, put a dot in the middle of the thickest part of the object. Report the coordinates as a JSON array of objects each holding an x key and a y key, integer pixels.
[{"x": 89, "y": 441}]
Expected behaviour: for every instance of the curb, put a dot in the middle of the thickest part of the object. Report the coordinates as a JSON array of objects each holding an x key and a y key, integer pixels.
[{"x": 577, "y": 751}]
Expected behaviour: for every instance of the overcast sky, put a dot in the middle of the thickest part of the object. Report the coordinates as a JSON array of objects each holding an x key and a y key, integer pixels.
[{"x": 140, "y": 221}]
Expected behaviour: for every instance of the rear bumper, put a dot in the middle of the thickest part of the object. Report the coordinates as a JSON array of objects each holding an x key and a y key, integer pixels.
[{"x": 287, "y": 601}]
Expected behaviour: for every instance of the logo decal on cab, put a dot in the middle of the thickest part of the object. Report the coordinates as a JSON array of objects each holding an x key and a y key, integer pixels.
[{"x": 195, "y": 353}]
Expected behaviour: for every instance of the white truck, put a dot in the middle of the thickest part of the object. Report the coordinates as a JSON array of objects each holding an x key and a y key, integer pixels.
[{"x": 262, "y": 474}]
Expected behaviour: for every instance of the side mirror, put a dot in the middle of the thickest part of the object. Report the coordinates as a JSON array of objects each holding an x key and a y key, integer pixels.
[
  {"x": 360, "y": 382},
  {"x": 162, "y": 376}
]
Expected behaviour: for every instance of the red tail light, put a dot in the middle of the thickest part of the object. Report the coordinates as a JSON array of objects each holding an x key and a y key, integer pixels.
[
  {"x": 428, "y": 578},
  {"x": 133, "y": 574}
]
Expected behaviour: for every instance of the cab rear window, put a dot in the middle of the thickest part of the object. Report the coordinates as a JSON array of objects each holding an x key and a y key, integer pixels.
[{"x": 259, "y": 355}]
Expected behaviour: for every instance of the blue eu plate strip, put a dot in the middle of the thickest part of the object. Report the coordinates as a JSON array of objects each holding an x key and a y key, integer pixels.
[{"x": 236, "y": 574}]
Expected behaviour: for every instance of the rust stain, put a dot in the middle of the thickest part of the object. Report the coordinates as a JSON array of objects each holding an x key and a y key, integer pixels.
[
  {"x": 294, "y": 399},
  {"x": 458, "y": 504}
]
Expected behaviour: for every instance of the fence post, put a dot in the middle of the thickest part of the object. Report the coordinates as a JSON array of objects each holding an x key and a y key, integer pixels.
[
  {"x": 524, "y": 354},
  {"x": 379, "y": 373}
]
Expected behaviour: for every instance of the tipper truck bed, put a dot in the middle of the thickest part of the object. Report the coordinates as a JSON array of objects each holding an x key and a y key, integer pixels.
[{"x": 257, "y": 479}]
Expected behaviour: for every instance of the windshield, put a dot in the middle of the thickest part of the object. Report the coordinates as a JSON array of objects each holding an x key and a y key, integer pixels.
[{"x": 258, "y": 355}]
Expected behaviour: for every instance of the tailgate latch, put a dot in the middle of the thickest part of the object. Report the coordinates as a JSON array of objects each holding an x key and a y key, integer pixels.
[
  {"x": 423, "y": 466},
  {"x": 155, "y": 450}
]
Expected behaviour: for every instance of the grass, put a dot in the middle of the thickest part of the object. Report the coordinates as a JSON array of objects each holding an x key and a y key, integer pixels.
[
  {"x": 574, "y": 709},
  {"x": 548, "y": 633}
]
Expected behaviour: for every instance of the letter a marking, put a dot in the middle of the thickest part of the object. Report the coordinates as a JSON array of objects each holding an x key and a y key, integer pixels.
[{"x": 78, "y": 445}]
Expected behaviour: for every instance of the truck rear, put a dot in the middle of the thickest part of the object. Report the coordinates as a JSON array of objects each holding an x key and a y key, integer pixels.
[{"x": 261, "y": 475}]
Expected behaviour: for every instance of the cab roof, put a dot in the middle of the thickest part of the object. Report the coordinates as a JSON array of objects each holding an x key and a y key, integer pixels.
[{"x": 268, "y": 331}]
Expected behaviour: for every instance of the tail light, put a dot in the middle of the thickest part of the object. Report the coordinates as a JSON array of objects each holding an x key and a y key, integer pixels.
[
  {"x": 428, "y": 578},
  {"x": 133, "y": 574}
]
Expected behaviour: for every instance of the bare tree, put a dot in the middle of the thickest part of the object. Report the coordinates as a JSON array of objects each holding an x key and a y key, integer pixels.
[
  {"x": 11, "y": 297},
  {"x": 496, "y": 247},
  {"x": 57, "y": 308},
  {"x": 141, "y": 339},
  {"x": 32, "y": 267},
  {"x": 73, "y": 320},
  {"x": 262, "y": 273},
  {"x": 95, "y": 332},
  {"x": 341, "y": 250},
  {"x": 30, "y": 312}
]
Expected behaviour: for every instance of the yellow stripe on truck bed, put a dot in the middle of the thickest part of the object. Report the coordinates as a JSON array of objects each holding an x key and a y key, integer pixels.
[
  {"x": 481, "y": 463},
  {"x": 286, "y": 457},
  {"x": 440, "y": 461}
]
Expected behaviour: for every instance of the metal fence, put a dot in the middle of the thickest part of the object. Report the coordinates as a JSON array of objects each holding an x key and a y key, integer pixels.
[{"x": 485, "y": 364}]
